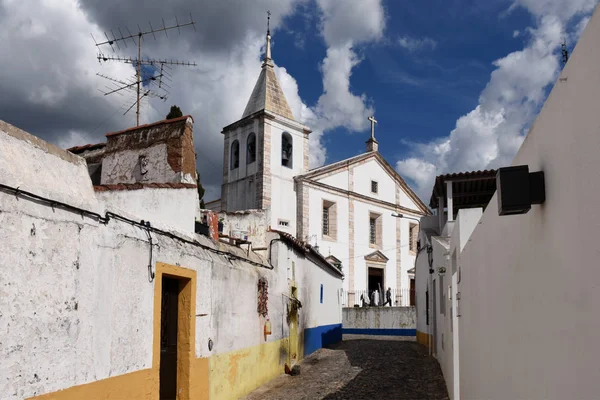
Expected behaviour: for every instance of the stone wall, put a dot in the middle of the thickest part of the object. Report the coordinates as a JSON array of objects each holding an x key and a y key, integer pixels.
[{"x": 392, "y": 321}]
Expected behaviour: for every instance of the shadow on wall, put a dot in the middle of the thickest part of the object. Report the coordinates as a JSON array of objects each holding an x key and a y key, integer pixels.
[{"x": 391, "y": 369}]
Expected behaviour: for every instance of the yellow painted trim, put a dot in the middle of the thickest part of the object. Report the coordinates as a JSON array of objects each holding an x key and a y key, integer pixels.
[
  {"x": 192, "y": 373},
  {"x": 423, "y": 338},
  {"x": 186, "y": 340},
  {"x": 235, "y": 374}
]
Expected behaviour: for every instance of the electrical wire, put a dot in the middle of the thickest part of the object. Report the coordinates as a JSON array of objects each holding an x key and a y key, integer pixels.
[{"x": 110, "y": 215}]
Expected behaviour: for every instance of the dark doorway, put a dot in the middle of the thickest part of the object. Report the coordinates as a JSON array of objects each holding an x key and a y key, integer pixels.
[
  {"x": 168, "y": 338},
  {"x": 375, "y": 280},
  {"x": 412, "y": 292}
]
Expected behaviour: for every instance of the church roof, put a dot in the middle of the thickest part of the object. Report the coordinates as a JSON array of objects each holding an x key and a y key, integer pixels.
[
  {"x": 319, "y": 172},
  {"x": 267, "y": 94}
]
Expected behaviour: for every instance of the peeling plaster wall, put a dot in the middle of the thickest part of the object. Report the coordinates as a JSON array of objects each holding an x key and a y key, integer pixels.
[
  {"x": 173, "y": 208},
  {"x": 298, "y": 268},
  {"x": 254, "y": 223},
  {"x": 76, "y": 299},
  {"x": 33, "y": 165},
  {"x": 167, "y": 148}
]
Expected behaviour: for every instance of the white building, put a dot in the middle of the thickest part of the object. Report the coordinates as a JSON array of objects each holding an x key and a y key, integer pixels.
[
  {"x": 107, "y": 292},
  {"x": 513, "y": 314},
  {"x": 346, "y": 208}
]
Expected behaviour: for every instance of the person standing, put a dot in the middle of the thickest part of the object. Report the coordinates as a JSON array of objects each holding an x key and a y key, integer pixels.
[{"x": 388, "y": 297}]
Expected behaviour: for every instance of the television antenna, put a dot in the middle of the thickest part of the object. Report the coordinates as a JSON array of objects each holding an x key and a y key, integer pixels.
[
  {"x": 139, "y": 61},
  {"x": 564, "y": 51}
]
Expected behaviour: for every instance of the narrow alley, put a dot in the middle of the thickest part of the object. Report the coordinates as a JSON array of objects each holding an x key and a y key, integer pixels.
[{"x": 361, "y": 367}]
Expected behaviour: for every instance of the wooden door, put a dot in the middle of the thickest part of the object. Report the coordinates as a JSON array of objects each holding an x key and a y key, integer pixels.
[{"x": 168, "y": 339}]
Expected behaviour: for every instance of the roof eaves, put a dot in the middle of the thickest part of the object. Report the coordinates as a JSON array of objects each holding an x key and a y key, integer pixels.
[{"x": 151, "y": 125}]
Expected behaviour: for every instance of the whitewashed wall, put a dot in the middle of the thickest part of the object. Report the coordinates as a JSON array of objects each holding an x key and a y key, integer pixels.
[
  {"x": 76, "y": 299},
  {"x": 175, "y": 208},
  {"x": 309, "y": 279},
  {"x": 371, "y": 170},
  {"x": 379, "y": 318},
  {"x": 340, "y": 247},
  {"x": 283, "y": 195},
  {"x": 529, "y": 286},
  {"x": 362, "y": 248}
]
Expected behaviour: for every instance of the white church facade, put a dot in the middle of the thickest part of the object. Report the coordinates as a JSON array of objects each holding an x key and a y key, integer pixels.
[{"x": 358, "y": 212}]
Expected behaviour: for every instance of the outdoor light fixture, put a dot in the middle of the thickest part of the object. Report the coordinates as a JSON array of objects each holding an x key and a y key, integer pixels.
[
  {"x": 518, "y": 189},
  {"x": 404, "y": 216}
]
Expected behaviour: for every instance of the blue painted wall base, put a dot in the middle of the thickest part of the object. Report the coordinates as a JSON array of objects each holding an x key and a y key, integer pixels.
[
  {"x": 385, "y": 332},
  {"x": 321, "y": 336}
]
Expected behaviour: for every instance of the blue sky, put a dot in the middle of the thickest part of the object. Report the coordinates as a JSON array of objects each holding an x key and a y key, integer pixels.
[
  {"x": 454, "y": 84},
  {"x": 417, "y": 94}
]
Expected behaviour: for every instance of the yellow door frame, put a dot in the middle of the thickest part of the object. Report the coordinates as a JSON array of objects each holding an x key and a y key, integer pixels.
[{"x": 186, "y": 325}]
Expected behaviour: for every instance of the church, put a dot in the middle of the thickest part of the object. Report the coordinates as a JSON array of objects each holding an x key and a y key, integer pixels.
[{"x": 359, "y": 212}]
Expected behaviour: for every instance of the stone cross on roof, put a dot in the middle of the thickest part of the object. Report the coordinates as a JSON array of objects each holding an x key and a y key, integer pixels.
[
  {"x": 372, "y": 143},
  {"x": 373, "y": 122}
]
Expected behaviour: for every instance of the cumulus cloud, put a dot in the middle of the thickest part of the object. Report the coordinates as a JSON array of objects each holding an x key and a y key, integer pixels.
[
  {"x": 490, "y": 135},
  {"x": 344, "y": 25},
  {"x": 50, "y": 87},
  {"x": 516, "y": 33},
  {"x": 413, "y": 44}
]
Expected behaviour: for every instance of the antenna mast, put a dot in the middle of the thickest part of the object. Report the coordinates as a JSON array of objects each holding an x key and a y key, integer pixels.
[
  {"x": 138, "y": 62},
  {"x": 564, "y": 51}
]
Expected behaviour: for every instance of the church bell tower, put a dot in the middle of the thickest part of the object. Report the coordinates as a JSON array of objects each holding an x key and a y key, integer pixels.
[{"x": 263, "y": 151}]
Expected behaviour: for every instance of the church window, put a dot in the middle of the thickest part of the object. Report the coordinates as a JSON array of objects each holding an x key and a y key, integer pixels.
[
  {"x": 251, "y": 149},
  {"x": 375, "y": 230},
  {"x": 412, "y": 237},
  {"x": 372, "y": 230},
  {"x": 283, "y": 223},
  {"x": 235, "y": 154},
  {"x": 286, "y": 150},
  {"x": 374, "y": 187},
  {"x": 329, "y": 221}
]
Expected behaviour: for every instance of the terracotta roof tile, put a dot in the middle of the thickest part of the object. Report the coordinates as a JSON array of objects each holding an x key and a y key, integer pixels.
[
  {"x": 164, "y": 121},
  {"x": 305, "y": 248},
  {"x": 137, "y": 186}
]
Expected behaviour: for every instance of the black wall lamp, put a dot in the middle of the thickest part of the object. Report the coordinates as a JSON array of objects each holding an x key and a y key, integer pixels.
[{"x": 518, "y": 189}]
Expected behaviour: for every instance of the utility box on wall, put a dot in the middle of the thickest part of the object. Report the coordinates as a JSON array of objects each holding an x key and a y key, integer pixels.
[{"x": 517, "y": 189}]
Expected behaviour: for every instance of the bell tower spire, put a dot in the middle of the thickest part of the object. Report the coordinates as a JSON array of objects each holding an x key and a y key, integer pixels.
[{"x": 268, "y": 46}]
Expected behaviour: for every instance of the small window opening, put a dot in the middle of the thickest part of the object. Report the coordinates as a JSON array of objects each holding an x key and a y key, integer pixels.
[
  {"x": 251, "y": 149},
  {"x": 374, "y": 186},
  {"x": 235, "y": 154},
  {"x": 286, "y": 150}
]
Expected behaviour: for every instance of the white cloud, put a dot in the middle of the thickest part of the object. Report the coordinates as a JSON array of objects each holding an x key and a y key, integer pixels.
[
  {"x": 344, "y": 24},
  {"x": 413, "y": 44},
  {"x": 347, "y": 22},
  {"x": 50, "y": 87},
  {"x": 516, "y": 33},
  {"x": 490, "y": 135}
]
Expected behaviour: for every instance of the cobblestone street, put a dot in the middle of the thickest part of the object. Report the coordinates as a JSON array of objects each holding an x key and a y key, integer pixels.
[{"x": 362, "y": 368}]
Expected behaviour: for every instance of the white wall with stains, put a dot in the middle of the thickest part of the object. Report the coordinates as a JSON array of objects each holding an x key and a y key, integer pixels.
[
  {"x": 76, "y": 296},
  {"x": 174, "y": 208}
]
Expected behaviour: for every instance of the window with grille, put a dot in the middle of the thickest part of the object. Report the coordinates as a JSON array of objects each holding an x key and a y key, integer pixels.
[
  {"x": 373, "y": 230},
  {"x": 325, "y": 220},
  {"x": 374, "y": 186},
  {"x": 329, "y": 220},
  {"x": 412, "y": 237}
]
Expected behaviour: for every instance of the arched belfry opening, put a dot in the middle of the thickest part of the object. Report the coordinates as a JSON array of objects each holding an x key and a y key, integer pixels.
[
  {"x": 287, "y": 150},
  {"x": 235, "y": 154},
  {"x": 251, "y": 148}
]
